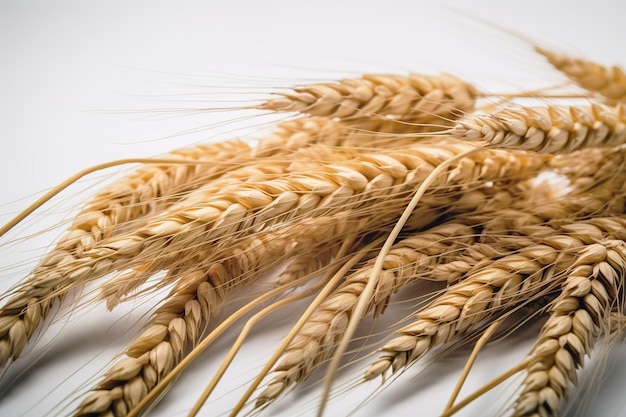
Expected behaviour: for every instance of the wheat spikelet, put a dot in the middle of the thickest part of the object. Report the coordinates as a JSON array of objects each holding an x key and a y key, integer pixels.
[
  {"x": 304, "y": 264},
  {"x": 550, "y": 129},
  {"x": 416, "y": 98},
  {"x": 608, "y": 82},
  {"x": 577, "y": 318}
]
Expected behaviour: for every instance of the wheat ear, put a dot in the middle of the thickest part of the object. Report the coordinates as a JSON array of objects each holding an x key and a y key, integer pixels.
[
  {"x": 336, "y": 187},
  {"x": 577, "y": 318},
  {"x": 550, "y": 129},
  {"x": 608, "y": 82},
  {"x": 386, "y": 96},
  {"x": 176, "y": 325}
]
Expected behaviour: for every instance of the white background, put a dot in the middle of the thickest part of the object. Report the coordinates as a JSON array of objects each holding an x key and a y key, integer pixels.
[{"x": 81, "y": 83}]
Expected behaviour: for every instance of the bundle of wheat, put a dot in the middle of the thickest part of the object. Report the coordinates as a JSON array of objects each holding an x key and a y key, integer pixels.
[{"x": 377, "y": 184}]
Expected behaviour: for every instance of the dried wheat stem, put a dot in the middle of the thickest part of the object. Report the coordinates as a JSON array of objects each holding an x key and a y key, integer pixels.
[
  {"x": 608, "y": 82},
  {"x": 480, "y": 343},
  {"x": 550, "y": 129},
  {"x": 577, "y": 318}
]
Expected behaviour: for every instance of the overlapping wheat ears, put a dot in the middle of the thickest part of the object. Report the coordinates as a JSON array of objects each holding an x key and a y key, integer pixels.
[{"x": 379, "y": 182}]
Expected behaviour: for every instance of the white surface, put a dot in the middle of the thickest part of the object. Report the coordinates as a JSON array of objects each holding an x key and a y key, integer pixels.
[{"x": 70, "y": 69}]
